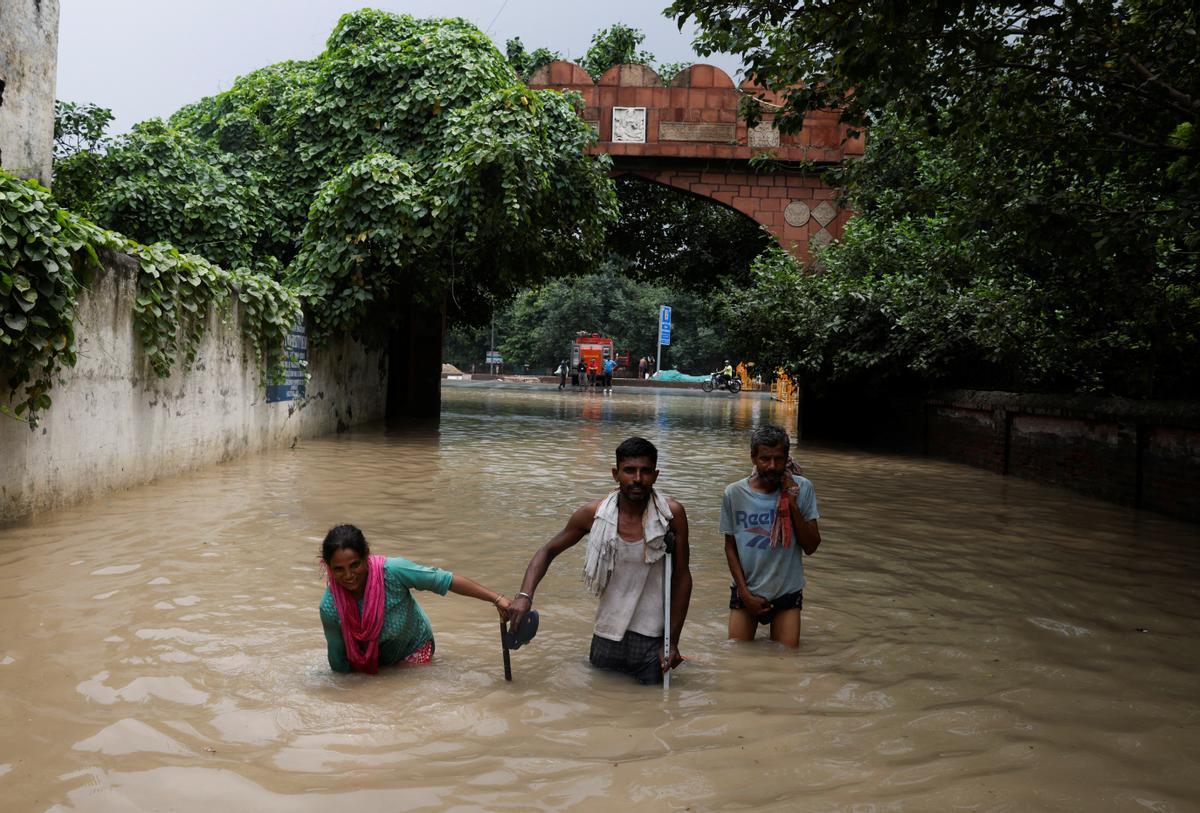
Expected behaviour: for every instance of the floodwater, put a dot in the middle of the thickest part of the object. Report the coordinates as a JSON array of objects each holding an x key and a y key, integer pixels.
[{"x": 970, "y": 642}]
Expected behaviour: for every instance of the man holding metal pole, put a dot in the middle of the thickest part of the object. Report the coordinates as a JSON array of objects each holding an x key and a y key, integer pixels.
[{"x": 627, "y": 558}]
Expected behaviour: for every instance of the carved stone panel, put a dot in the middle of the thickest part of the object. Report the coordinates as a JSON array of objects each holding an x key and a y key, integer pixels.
[
  {"x": 824, "y": 213},
  {"x": 821, "y": 238},
  {"x": 796, "y": 213},
  {"x": 629, "y": 125},
  {"x": 763, "y": 135},
  {"x": 696, "y": 131}
]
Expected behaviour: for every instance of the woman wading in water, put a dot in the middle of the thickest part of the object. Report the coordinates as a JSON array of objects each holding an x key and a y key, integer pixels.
[{"x": 368, "y": 612}]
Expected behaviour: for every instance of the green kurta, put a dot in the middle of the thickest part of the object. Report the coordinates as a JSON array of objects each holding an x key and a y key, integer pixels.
[{"x": 405, "y": 625}]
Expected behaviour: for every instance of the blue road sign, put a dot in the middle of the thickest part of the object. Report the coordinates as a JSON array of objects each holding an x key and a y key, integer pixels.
[{"x": 664, "y": 325}]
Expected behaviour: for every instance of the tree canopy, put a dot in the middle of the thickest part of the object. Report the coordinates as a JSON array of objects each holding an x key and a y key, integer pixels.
[
  {"x": 672, "y": 237},
  {"x": 537, "y": 327},
  {"x": 1031, "y": 169},
  {"x": 525, "y": 62},
  {"x": 665, "y": 247},
  {"x": 406, "y": 160}
]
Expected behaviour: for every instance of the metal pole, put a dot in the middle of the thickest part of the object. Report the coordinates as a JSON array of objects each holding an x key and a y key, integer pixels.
[
  {"x": 658, "y": 343},
  {"x": 504, "y": 646},
  {"x": 669, "y": 542}
]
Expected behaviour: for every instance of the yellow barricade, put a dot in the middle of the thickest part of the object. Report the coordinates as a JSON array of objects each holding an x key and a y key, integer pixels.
[{"x": 783, "y": 388}]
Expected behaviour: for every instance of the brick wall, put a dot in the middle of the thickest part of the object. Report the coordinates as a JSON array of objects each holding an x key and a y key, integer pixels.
[
  {"x": 693, "y": 139},
  {"x": 1143, "y": 454},
  {"x": 1171, "y": 471},
  {"x": 965, "y": 435}
]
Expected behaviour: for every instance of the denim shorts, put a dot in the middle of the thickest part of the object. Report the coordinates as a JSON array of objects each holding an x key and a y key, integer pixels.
[{"x": 788, "y": 601}]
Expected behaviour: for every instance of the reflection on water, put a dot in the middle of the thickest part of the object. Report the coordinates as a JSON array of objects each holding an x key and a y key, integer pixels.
[{"x": 969, "y": 642}]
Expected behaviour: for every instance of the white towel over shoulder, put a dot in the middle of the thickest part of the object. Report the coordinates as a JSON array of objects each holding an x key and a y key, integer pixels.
[{"x": 602, "y": 541}]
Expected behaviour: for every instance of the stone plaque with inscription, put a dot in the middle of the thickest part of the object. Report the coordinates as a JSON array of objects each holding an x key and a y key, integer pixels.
[
  {"x": 696, "y": 131},
  {"x": 796, "y": 213},
  {"x": 629, "y": 125},
  {"x": 763, "y": 134}
]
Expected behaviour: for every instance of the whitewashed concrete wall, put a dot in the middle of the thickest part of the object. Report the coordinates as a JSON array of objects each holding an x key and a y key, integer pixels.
[
  {"x": 28, "y": 67},
  {"x": 114, "y": 424}
]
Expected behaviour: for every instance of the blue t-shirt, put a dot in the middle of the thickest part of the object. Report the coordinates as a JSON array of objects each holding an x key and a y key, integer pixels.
[
  {"x": 748, "y": 516},
  {"x": 609, "y": 366},
  {"x": 405, "y": 625}
]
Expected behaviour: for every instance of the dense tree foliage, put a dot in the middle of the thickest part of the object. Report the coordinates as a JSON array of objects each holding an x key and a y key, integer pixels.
[
  {"x": 48, "y": 253},
  {"x": 912, "y": 295},
  {"x": 691, "y": 243},
  {"x": 666, "y": 247},
  {"x": 615, "y": 45},
  {"x": 403, "y": 173},
  {"x": 80, "y": 141},
  {"x": 536, "y": 329},
  {"x": 79, "y": 128},
  {"x": 526, "y": 63},
  {"x": 406, "y": 161},
  {"x": 1028, "y": 212}
]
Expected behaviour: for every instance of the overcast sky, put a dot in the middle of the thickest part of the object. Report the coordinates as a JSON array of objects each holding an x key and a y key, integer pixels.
[{"x": 145, "y": 58}]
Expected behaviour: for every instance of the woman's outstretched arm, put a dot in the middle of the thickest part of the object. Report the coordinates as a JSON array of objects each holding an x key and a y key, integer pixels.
[{"x": 461, "y": 585}]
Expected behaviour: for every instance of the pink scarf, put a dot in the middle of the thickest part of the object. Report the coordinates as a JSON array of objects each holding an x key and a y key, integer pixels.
[{"x": 362, "y": 631}]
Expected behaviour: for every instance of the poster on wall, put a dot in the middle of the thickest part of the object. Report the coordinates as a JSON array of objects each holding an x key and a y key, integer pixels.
[{"x": 294, "y": 367}]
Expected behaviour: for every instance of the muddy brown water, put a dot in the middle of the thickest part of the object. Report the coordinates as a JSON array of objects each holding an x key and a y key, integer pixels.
[{"x": 970, "y": 642}]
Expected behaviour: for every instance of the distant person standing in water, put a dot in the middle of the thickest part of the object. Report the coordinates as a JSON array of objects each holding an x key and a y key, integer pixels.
[
  {"x": 770, "y": 522},
  {"x": 368, "y": 612},
  {"x": 624, "y": 566},
  {"x": 609, "y": 366},
  {"x": 561, "y": 372}
]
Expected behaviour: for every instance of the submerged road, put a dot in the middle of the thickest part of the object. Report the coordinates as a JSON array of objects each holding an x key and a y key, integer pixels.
[{"x": 970, "y": 642}]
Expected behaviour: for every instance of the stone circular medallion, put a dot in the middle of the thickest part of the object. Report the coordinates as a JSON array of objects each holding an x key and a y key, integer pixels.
[{"x": 796, "y": 213}]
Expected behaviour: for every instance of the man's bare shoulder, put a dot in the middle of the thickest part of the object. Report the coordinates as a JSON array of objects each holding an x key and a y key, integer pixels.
[
  {"x": 676, "y": 507},
  {"x": 584, "y": 514}
]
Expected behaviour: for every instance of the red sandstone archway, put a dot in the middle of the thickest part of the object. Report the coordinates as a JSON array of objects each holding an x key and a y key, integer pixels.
[{"x": 686, "y": 134}]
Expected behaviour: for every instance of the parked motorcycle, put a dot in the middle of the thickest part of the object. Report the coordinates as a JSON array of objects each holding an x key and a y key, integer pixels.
[{"x": 717, "y": 382}]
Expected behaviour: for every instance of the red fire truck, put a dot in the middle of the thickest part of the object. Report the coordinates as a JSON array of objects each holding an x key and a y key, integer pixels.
[{"x": 593, "y": 350}]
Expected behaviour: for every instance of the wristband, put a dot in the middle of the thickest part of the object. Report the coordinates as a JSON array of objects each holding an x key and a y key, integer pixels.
[{"x": 525, "y": 595}]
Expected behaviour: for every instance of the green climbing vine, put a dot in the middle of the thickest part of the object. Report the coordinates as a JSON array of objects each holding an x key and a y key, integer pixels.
[
  {"x": 48, "y": 253},
  {"x": 176, "y": 292},
  {"x": 406, "y": 165}
]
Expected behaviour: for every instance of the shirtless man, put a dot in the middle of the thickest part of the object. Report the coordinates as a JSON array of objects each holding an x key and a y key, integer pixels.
[
  {"x": 624, "y": 567},
  {"x": 763, "y": 548}
]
